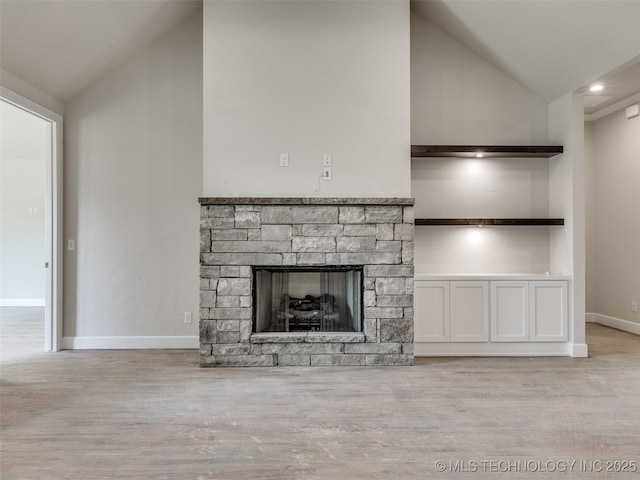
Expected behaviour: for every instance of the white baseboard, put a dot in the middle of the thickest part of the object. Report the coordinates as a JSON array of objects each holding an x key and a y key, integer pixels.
[
  {"x": 22, "y": 302},
  {"x": 613, "y": 322},
  {"x": 129, "y": 343},
  {"x": 579, "y": 350},
  {"x": 506, "y": 349}
]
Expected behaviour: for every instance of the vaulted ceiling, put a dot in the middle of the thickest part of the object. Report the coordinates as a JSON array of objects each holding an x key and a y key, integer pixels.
[
  {"x": 552, "y": 47},
  {"x": 61, "y": 46}
]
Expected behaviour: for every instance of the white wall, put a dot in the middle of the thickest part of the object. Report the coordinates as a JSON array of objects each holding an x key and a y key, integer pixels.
[
  {"x": 615, "y": 245},
  {"x": 590, "y": 220},
  {"x": 567, "y": 200},
  {"x": 133, "y": 169},
  {"x": 481, "y": 188},
  {"x": 459, "y": 98},
  {"x": 306, "y": 78},
  {"x": 24, "y": 147}
]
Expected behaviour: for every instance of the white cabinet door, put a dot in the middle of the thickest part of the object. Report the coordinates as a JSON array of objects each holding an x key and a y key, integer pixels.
[
  {"x": 548, "y": 311},
  {"x": 510, "y": 311},
  {"x": 431, "y": 315},
  {"x": 469, "y": 308}
]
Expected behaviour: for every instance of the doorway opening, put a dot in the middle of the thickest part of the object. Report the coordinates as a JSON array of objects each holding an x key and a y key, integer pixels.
[{"x": 31, "y": 220}]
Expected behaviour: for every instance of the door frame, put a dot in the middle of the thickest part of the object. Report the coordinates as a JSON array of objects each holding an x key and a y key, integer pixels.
[{"x": 53, "y": 261}]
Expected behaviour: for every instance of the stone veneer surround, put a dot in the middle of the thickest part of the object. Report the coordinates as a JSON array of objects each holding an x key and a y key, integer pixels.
[{"x": 239, "y": 233}]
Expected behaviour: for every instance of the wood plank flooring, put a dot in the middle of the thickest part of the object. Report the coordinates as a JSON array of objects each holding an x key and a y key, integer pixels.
[{"x": 155, "y": 415}]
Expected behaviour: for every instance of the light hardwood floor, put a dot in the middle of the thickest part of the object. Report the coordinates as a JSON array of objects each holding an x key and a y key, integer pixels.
[{"x": 155, "y": 415}]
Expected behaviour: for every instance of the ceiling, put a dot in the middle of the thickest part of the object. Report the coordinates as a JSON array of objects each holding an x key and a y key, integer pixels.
[
  {"x": 61, "y": 46},
  {"x": 551, "y": 47},
  {"x": 620, "y": 84}
]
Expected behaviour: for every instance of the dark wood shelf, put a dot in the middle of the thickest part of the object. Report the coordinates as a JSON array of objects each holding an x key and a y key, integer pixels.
[
  {"x": 487, "y": 151},
  {"x": 452, "y": 222}
]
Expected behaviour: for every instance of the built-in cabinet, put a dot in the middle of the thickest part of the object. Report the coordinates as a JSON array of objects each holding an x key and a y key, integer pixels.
[
  {"x": 476, "y": 312},
  {"x": 431, "y": 311},
  {"x": 490, "y": 311},
  {"x": 510, "y": 311},
  {"x": 456, "y": 311},
  {"x": 548, "y": 311}
]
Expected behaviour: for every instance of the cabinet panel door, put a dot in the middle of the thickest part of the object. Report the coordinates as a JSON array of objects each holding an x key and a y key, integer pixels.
[
  {"x": 510, "y": 311},
  {"x": 548, "y": 311},
  {"x": 469, "y": 311},
  {"x": 431, "y": 315}
]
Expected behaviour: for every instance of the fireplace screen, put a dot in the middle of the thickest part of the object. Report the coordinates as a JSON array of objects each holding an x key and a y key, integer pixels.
[{"x": 292, "y": 299}]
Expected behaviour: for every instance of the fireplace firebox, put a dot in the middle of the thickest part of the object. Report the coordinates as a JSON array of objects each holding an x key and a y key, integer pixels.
[{"x": 295, "y": 299}]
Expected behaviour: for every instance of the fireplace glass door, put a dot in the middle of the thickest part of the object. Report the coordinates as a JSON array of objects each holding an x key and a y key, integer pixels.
[{"x": 292, "y": 299}]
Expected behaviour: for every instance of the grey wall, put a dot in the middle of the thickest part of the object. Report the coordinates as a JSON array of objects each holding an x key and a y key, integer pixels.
[
  {"x": 24, "y": 141},
  {"x": 457, "y": 98},
  {"x": 133, "y": 172},
  {"x": 306, "y": 78},
  {"x": 614, "y": 245},
  {"x": 590, "y": 219}
]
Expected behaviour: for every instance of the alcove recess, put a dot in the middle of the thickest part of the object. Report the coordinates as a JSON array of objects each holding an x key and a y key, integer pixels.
[
  {"x": 505, "y": 188},
  {"x": 500, "y": 290},
  {"x": 487, "y": 151}
]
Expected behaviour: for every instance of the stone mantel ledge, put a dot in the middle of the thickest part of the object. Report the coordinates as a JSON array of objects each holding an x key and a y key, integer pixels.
[
  {"x": 307, "y": 337},
  {"x": 304, "y": 201}
]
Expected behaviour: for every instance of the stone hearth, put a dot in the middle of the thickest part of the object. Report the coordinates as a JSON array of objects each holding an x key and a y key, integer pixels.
[{"x": 238, "y": 234}]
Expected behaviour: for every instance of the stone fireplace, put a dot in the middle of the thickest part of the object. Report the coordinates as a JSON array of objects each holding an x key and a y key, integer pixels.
[{"x": 306, "y": 281}]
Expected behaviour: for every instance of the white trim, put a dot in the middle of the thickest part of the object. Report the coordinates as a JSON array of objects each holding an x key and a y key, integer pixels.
[
  {"x": 613, "y": 322},
  {"x": 579, "y": 350},
  {"x": 22, "y": 302},
  {"x": 513, "y": 349},
  {"x": 590, "y": 317},
  {"x": 20, "y": 87},
  {"x": 624, "y": 103},
  {"x": 129, "y": 343},
  {"x": 489, "y": 276},
  {"x": 53, "y": 219}
]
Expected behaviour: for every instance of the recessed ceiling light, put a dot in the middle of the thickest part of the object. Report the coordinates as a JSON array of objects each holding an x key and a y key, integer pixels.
[
  {"x": 479, "y": 155},
  {"x": 596, "y": 88}
]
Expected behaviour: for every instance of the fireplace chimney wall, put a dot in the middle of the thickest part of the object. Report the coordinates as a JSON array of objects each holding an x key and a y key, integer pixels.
[{"x": 237, "y": 234}]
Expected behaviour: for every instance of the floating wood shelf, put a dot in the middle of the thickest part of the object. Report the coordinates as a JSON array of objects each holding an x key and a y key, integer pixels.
[
  {"x": 487, "y": 151},
  {"x": 489, "y": 221}
]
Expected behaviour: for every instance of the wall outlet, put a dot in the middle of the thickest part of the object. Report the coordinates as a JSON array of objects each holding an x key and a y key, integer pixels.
[
  {"x": 326, "y": 173},
  {"x": 188, "y": 318},
  {"x": 284, "y": 159},
  {"x": 634, "y": 307},
  {"x": 326, "y": 160}
]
